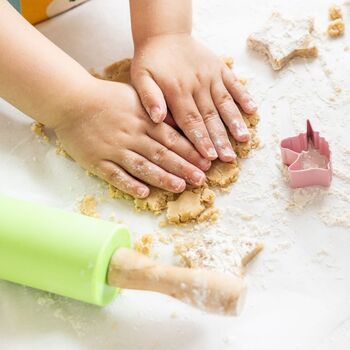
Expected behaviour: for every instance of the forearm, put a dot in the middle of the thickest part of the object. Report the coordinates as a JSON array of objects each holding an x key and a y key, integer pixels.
[
  {"x": 158, "y": 17},
  {"x": 35, "y": 75}
]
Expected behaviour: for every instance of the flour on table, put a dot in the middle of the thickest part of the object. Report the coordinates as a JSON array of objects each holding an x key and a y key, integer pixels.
[
  {"x": 219, "y": 250},
  {"x": 193, "y": 205},
  {"x": 282, "y": 39}
]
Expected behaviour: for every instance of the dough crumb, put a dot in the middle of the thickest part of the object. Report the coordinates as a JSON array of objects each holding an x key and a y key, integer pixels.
[
  {"x": 60, "y": 150},
  {"x": 282, "y": 39},
  {"x": 190, "y": 205},
  {"x": 334, "y": 12},
  {"x": 39, "y": 130},
  {"x": 88, "y": 206},
  {"x": 336, "y": 28},
  {"x": 144, "y": 244},
  {"x": 228, "y": 60}
]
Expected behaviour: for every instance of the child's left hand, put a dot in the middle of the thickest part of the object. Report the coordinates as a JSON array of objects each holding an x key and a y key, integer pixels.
[{"x": 175, "y": 71}]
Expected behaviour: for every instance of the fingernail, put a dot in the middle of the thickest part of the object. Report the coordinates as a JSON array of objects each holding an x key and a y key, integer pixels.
[
  {"x": 228, "y": 152},
  {"x": 177, "y": 184},
  {"x": 252, "y": 105},
  {"x": 142, "y": 191},
  {"x": 204, "y": 164},
  {"x": 155, "y": 114},
  {"x": 242, "y": 130},
  {"x": 197, "y": 177},
  {"x": 212, "y": 153}
]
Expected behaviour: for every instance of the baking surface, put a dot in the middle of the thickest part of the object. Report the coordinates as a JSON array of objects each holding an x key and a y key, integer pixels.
[{"x": 299, "y": 286}]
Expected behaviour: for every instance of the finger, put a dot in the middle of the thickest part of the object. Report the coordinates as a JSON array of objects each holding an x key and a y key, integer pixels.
[
  {"x": 215, "y": 126},
  {"x": 190, "y": 121},
  {"x": 143, "y": 169},
  {"x": 174, "y": 141},
  {"x": 169, "y": 161},
  {"x": 119, "y": 178},
  {"x": 229, "y": 112},
  {"x": 238, "y": 91},
  {"x": 151, "y": 97}
]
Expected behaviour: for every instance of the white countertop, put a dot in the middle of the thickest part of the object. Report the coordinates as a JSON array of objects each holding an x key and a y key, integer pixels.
[{"x": 299, "y": 287}]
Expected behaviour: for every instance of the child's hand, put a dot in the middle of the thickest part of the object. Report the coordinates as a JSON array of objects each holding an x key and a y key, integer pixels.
[
  {"x": 111, "y": 135},
  {"x": 175, "y": 71}
]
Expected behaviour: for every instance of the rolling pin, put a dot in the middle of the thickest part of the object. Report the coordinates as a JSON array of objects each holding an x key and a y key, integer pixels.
[{"x": 89, "y": 259}]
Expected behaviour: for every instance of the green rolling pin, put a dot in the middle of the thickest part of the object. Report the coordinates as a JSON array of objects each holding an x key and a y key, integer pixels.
[{"x": 88, "y": 259}]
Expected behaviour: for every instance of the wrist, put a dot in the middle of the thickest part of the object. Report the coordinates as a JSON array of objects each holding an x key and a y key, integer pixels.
[
  {"x": 168, "y": 36},
  {"x": 70, "y": 103}
]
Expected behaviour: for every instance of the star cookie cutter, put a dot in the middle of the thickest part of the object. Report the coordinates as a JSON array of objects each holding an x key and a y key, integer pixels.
[{"x": 292, "y": 149}]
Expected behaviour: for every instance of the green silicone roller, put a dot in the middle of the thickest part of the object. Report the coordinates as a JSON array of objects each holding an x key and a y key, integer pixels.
[
  {"x": 58, "y": 251},
  {"x": 89, "y": 260}
]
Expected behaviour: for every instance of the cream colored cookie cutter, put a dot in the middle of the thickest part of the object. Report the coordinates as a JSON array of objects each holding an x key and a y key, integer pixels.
[{"x": 292, "y": 149}]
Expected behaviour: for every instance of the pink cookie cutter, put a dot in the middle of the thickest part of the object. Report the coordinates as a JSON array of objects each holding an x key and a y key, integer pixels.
[{"x": 292, "y": 148}]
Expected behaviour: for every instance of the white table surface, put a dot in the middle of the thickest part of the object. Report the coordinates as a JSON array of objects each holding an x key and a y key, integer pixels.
[{"x": 299, "y": 287}]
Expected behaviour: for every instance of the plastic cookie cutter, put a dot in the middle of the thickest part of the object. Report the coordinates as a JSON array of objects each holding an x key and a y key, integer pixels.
[{"x": 308, "y": 157}]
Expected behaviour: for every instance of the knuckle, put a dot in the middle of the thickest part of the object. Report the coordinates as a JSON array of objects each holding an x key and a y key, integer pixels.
[
  {"x": 191, "y": 118},
  {"x": 210, "y": 115},
  {"x": 115, "y": 176},
  {"x": 224, "y": 99},
  {"x": 140, "y": 163},
  {"x": 145, "y": 96},
  {"x": 160, "y": 154},
  {"x": 245, "y": 99},
  {"x": 201, "y": 77},
  {"x": 173, "y": 138}
]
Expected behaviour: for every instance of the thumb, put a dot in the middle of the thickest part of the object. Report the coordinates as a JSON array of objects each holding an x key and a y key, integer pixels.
[{"x": 151, "y": 97}]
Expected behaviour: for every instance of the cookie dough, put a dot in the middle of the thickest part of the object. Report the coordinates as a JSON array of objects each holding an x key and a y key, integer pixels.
[
  {"x": 144, "y": 244},
  {"x": 222, "y": 174},
  {"x": 39, "y": 130},
  {"x": 334, "y": 12},
  {"x": 88, "y": 205},
  {"x": 282, "y": 39},
  {"x": 193, "y": 205},
  {"x": 336, "y": 28},
  {"x": 156, "y": 201}
]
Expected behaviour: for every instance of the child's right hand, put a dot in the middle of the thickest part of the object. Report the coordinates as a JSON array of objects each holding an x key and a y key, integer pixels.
[{"x": 110, "y": 134}]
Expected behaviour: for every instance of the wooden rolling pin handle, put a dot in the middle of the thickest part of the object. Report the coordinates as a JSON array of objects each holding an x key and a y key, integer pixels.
[{"x": 208, "y": 290}]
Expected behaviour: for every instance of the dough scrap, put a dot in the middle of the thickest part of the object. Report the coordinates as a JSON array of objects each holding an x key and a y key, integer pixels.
[
  {"x": 193, "y": 205},
  {"x": 282, "y": 39},
  {"x": 336, "y": 28},
  {"x": 334, "y": 12},
  {"x": 39, "y": 130},
  {"x": 88, "y": 206},
  {"x": 144, "y": 244}
]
